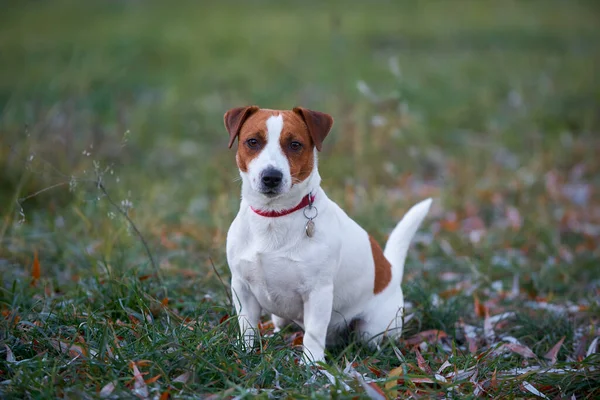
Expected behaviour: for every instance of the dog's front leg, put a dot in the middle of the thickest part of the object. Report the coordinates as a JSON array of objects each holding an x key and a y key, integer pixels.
[
  {"x": 247, "y": 309},
  {"x": 317, "y": 313}
]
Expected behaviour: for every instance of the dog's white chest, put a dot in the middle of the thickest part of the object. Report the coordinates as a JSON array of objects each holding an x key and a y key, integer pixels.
[
  {"x": 279, "y": 263},
  {"x": 275, "y": 280}
]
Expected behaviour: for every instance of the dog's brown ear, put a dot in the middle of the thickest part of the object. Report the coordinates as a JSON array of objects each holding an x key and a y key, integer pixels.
[
  {"x": 234, "y": 119},
  {"x": 319, "y": 124}
]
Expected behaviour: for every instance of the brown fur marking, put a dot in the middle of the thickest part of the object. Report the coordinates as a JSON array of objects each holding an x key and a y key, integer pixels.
[
  {"x": 383, "y": 268},
  {"x": 301, "y": 161},
  {"x": 255, "y": 127}
]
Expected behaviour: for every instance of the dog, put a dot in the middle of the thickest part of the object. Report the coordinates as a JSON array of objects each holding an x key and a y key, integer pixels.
[{"x": 293, "y": 252}]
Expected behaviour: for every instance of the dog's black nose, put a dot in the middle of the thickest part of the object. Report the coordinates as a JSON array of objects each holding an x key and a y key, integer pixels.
[{"x": 271, "y": 177}]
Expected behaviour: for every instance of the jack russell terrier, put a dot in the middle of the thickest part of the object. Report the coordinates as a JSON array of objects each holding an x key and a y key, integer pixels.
[{"x": 293, "y": 252}]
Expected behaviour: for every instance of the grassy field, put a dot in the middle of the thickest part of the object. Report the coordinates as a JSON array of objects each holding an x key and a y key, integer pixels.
[{"x": 117, "y": 190}]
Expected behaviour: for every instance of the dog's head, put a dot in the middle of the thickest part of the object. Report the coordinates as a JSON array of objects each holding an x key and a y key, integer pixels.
[{"x": 276, "y": 149}]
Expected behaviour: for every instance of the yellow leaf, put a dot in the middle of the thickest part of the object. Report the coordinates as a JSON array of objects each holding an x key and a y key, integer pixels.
[{"x": 392, "y": 383}]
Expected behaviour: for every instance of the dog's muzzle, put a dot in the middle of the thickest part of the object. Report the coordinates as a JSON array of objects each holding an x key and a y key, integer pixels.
[{"x": 270, "y": 180}]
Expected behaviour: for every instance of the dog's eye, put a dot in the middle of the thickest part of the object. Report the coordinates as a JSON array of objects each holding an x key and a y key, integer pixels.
[
  {"x": 252, "y": 143},
  {"x": 295, "y": 146}
]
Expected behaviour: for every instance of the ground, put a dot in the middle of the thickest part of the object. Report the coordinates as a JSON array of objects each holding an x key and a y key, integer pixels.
[{"x": 117, "y": 189}]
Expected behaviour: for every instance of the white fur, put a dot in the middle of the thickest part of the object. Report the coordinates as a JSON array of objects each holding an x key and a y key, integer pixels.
[{"x": 322, "y": 283}]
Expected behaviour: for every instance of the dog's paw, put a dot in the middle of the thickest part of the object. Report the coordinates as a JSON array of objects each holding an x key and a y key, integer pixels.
[
  {"x": 248, "y": 342},
  {"x": 311, "y": 359}
]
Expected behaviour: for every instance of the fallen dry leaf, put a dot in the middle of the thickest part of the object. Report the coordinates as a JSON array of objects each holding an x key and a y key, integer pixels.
[
  {"x": 553, "y": 352},
  {"x": 224, "y": 318},
  {"x": 376, "y": 371},
  {"x": 422, "y": 363},
  {"x": 153, "y": 379},
  {"x": 35, "y": 269},
  {"x": 494, "y": 381},
  {"x": 72, "y": 350},
  {"x": 445, "y": 365},
  {"x": 107, "y": 389},
  {"x": 580, "y": 348},
  {"x": 478, "y": 307},
  {"x": 488, "y": 328},
  {"x": 10, "y": 357},
  {"x": 391, "y": 383},
  {"x": 472, "y": 345},
  {"x": 531, "y": 389},
  {"x": 372, "y": 390},
  {"x": 143, "y": 363},
  {"x": 422, "y": 380},
  {"x": 183, "y": 378},
  {"x": 592, "y": 348},
  {"x": 520, "y": 349},
  {"x": 266, "y": 327},
  {"x": 139, "y": 386},
  {"x": 297, "y": 338},
  {"x": 429, "y": 336},
  {"x": 165, "y": 395}
]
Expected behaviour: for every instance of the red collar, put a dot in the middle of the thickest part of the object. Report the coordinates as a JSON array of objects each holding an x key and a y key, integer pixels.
[{"x": 306, "y": 201}]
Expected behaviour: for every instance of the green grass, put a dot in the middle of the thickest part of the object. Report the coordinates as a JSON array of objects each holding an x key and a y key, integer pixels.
[{"x": 491, "y": 108}]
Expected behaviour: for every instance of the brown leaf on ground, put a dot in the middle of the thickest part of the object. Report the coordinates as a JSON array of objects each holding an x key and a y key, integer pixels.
[
  {"x": 520, "y": 349},
  {"x": 472, "y": 345},
  {"x": 488, "y": 328},
  {"x": 35, "y": 268},
  {"x": 165, "y": 395},
  {"x": 553, "y": 352},
  {"x": 494, "y": 381},
  {"x": 72, "y": 350},
  {"x": 580, "y": 350},
  {"x": 224, "y": 318},
  {"x": 429, "y": 336},
  {"x": 183, "y": 378},
  {"x": 390, "y": 384},
  {"x": 422, "y": 363},
  {"x": 592, "y": 348},
  {"x": 452, "y": 292},
  {"x": 479, "y": 308},
  {"x": 139, "y": 386},
  {"x": 265, "y": 327},
  {"x": 153, "y": 379},
  {"x": 373, "y": 390},
  {"x": 297, "y": 338},
  {"x": 107, "y": 389},
  {"x": 376, "y": 371},
  {"x": 526, "y": 386},
  {"x": 10, "y": 357}
]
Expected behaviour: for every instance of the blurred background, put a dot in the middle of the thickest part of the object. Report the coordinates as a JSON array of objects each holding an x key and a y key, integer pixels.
[
  {"x": 489, "y": 107},
  {"x": 111, "y": 113}
]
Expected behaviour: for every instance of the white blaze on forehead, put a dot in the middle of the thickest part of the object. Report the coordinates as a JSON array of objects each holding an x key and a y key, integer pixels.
[
  {"x": 274, "y": 127},
  {"x": 272, "y": 153}
]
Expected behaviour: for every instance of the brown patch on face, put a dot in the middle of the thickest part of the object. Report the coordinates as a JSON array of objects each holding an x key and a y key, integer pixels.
[
  {"x": 254, "y": 128},
  {"x": 383, "y": 268},
  {"x": 319, "y": 124},
  {"x": 297, "y": 145}
]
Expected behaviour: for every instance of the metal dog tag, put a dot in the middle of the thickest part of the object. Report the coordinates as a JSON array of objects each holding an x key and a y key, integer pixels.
[{"x": 309, "y": 228}]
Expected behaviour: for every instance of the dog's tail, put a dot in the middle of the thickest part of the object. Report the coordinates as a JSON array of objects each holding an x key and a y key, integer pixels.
[{"x": 400, "y": 238}]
